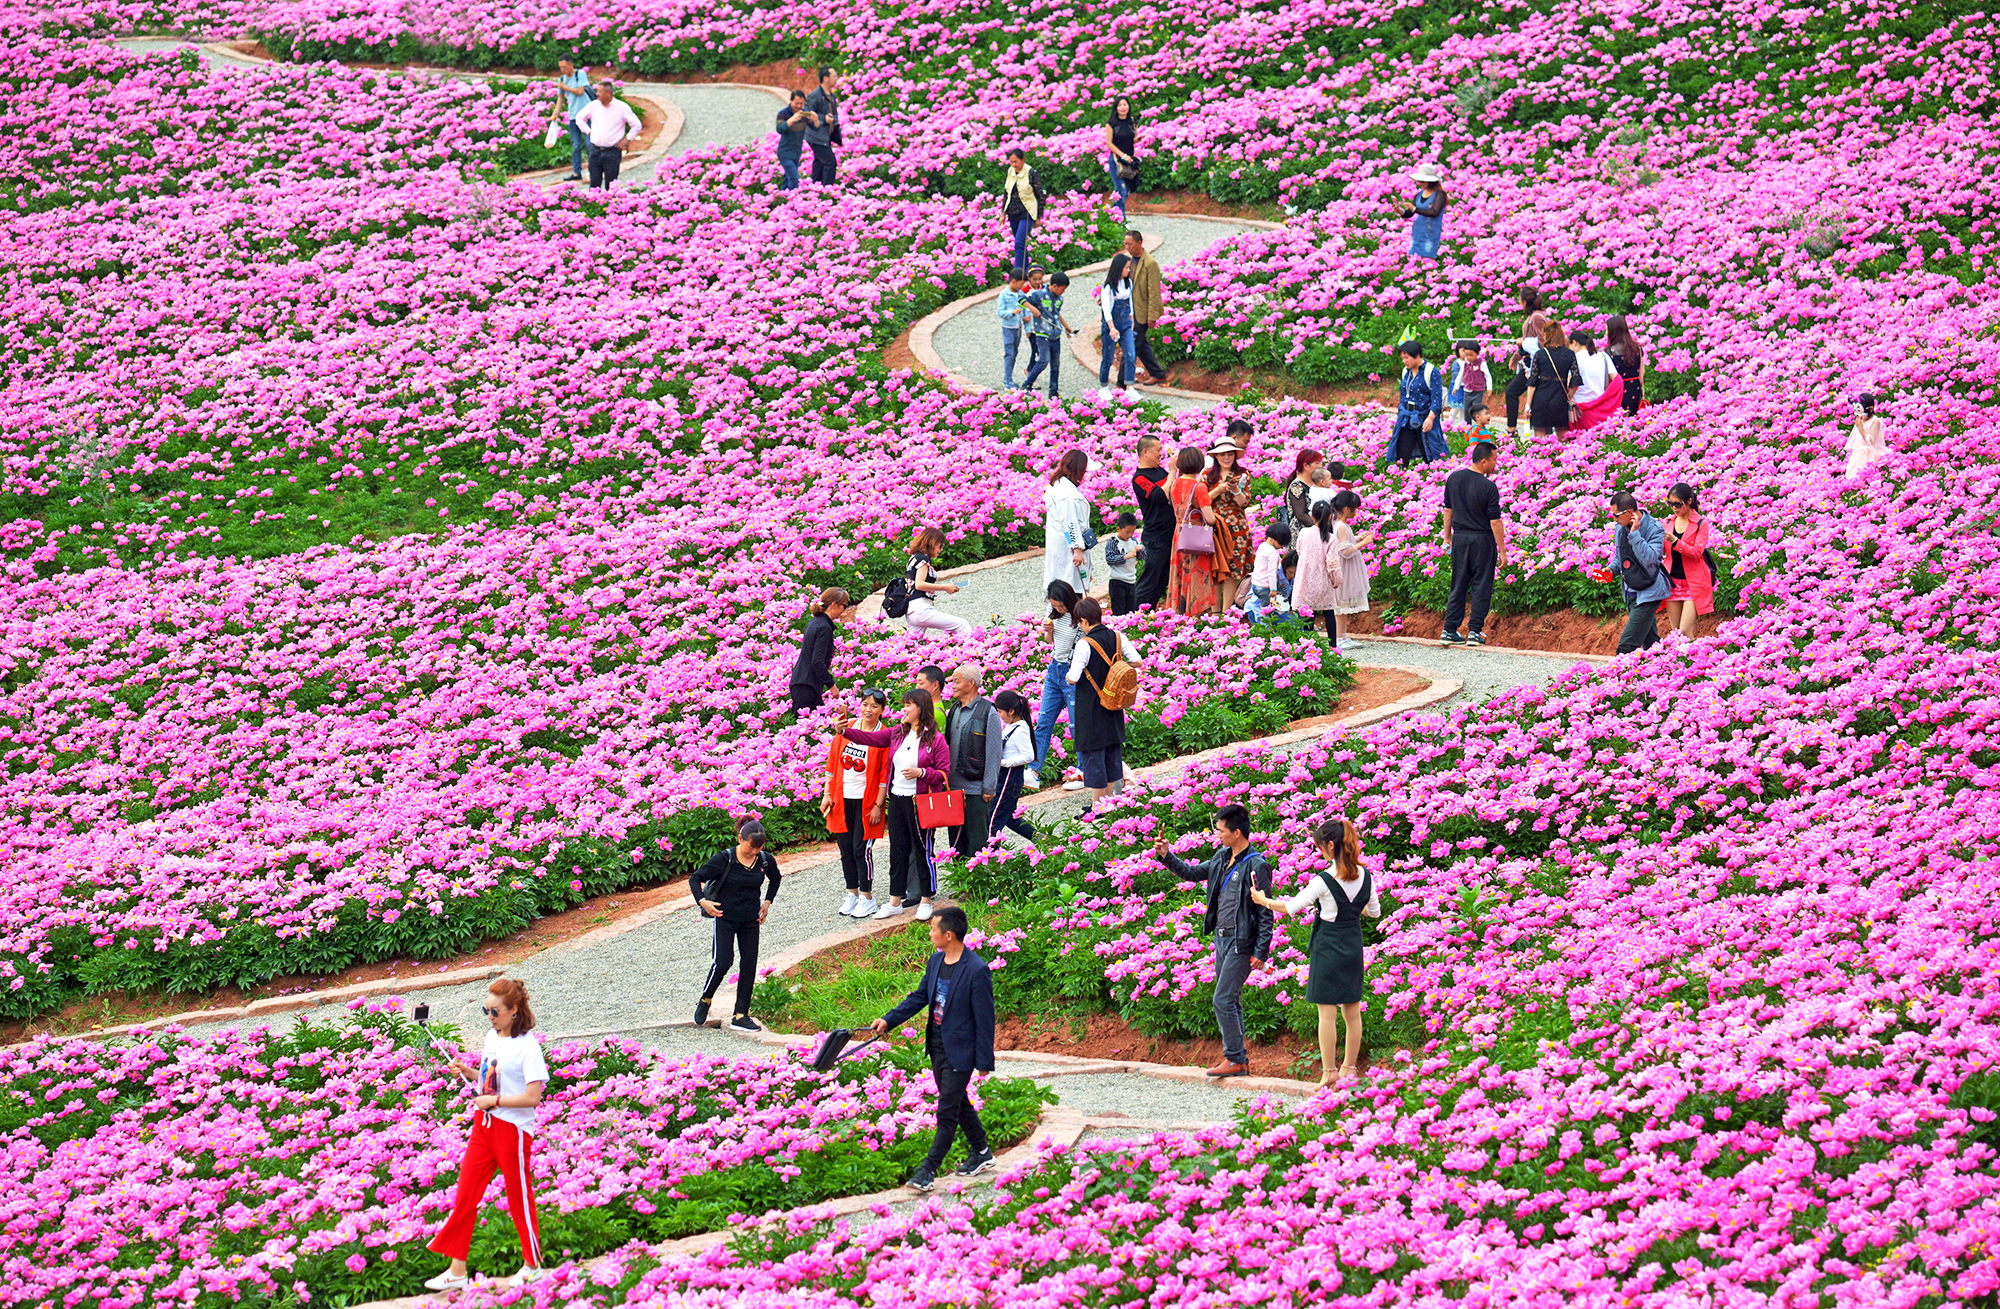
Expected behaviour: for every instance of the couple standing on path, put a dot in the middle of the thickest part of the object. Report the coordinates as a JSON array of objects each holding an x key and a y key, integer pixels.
[{"x": 810, "y": 120}]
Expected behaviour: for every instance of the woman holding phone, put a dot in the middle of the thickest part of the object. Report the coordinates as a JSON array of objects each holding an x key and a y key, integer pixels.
[
  {"x": 730, "y": 889},
  {"x": 1340, "y": 894},
  {"x": 919, "y": 763}
]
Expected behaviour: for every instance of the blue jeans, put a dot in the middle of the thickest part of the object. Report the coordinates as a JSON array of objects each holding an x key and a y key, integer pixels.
[
  {"x": 1043, "y": 352},
  {"x": 1121, "y": 322},
  {"x": 577, "y": 140},
  {"x": 790, "y": 165},
  {"x": 1022, "y": 226},
  {"x": 1010, "y": 349},
  {"x": 1260, "y": 600},
  {"x": 1057, "y": 694},
  {"x": 1119, "y": 186}
]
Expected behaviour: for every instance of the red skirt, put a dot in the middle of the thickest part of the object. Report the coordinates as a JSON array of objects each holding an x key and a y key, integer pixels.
[{"x": 1596, "y": 411}]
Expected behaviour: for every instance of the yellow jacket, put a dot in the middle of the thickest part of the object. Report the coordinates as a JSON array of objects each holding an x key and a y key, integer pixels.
[{"x": 1146, "y": 289}]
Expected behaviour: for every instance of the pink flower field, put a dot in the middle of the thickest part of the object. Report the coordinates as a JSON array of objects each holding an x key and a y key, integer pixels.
[{"x": 394, "y": 553}]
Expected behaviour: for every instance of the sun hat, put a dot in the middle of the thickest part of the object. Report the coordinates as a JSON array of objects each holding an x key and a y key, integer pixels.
[
  {"x": 1225, "y": 444},
  {"x": 1426, "y": 173}
]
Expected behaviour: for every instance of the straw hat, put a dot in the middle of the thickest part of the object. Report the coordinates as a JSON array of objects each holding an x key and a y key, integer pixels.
[
  {"x": 1426, "y": 173},
  {"x": 1225, "y": 444}
]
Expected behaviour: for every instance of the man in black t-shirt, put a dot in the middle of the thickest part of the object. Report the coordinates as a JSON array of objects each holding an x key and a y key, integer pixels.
[
  {"x": 1156, "y": 517},
  {"x": 1478, "y": 542}
]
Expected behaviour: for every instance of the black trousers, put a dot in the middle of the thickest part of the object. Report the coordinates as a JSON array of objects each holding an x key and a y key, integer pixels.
[
  {"x": 823, "y": 162},
  {"x": 971, "y": 836},
  {"x": 954, "y": 1112},
  {"x": 1153, "y": 569},
  {"x": 1517, "y": 387},
  {"x": 1124, "y": 596},
  {"x": 1144, "y": 349},
  {"x": 604, "y": 161},
  {"x": 857, "y": 852},
  {"x": 910, "y": 872},
  {"x": 732, "y": 938},
  {"x": 1409, "y": 445},
  {"x": 807, "y": 697},
  {"x": 1473, "y": 557},
  {"x": 1642, "y": 627}
]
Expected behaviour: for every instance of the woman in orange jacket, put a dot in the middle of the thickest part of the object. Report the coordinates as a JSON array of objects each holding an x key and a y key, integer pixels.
[{"x": 857, "y": 787}]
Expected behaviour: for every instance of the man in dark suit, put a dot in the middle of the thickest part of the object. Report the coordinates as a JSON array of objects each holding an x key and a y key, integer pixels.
[{"x": 957, "y": 997}]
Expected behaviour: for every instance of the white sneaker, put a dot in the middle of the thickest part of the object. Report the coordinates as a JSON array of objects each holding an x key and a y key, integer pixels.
[
  {"x": 526, "y": 1277},
  {"x": 866, "y": 908},
  {"x": 447, "y": 1281},
  {"x": 1030, "y": 784},
  {"x": 1075, "y": 784},
  {"x": 923, "y": 913},
  {"x": 847, "y": 905},
  {"x": 889, "y": 911},
  {"x": 1104, "y": 393}
]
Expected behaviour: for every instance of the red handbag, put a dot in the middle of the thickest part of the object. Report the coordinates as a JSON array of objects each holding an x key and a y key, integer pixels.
[{"x": 941, "y": 809}]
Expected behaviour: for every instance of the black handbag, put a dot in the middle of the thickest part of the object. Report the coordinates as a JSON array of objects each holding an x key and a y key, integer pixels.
[
  {"x": 1634, "y": 574},
  {"x": 1128, "y": 170}
]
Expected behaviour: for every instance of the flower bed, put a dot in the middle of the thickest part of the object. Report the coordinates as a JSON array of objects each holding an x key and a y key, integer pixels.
[{"x": 312, "y": 1166}]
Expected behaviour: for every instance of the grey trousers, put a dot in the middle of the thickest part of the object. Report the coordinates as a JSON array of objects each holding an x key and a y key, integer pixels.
[
  {"x": 1642, "y": 627},
  {"x": 1232, "y": 967}
]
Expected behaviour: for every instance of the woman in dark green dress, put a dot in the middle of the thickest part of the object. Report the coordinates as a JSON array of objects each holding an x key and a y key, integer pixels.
[{"x": 1341, "y": 893}]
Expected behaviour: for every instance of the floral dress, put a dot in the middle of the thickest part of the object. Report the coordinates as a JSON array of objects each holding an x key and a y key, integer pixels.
[{"x": 1234, "y": 552}]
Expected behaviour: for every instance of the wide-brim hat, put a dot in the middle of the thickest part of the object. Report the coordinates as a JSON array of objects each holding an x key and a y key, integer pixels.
[
  {"x": 1427, "y": 173},
  {"x": 1225, "y": 445}
]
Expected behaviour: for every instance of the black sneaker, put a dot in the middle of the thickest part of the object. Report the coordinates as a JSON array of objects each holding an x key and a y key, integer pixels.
[
  {"x": 975, "y": 1164},
  {"x": 745, "y": 1023},
  {"x": 701, "y": 1013},
  {"x": 923, "y": 1179},
  {"x": 1477, "y": 638},
  {"x": 1453, "y": 638}
]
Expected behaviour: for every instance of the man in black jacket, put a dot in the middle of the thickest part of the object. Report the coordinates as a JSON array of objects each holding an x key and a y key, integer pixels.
[
  {"x": 1156, "y": 513},
  {"x": 957, "y": 997},
  {"x": 1241, "y": 929},
  {"x": 823, "y": 130}
]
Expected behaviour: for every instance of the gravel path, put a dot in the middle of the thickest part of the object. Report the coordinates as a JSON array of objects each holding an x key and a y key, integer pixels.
[{"x": 969, "y": 343}]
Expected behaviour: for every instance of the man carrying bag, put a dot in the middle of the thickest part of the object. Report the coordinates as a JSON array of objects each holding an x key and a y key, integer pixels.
[{"x": 1638, "y": 541}]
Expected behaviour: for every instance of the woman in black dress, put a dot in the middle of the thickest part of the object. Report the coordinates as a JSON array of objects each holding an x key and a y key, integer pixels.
[
  {"x": 1343, "y": 892},
  {"x": 1554, "y": 382},
  {"x": 1628, "y": 358}
]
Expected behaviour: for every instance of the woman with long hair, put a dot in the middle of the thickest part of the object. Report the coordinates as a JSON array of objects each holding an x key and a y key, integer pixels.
[
  {"x": 1534, "y": 322},
  {"x": 1602, "y": 390},
  {"x": 1058, "y": 694},
  {"x": 921, "y": 577},
  {"x": 1229, "y": 496},
  {"x": 1191, "y": 587},
  {"x": 1693, "y": 585},
  {"x": 1339, "y": 895},
  {"x": 1866, "y": 441},
  {"x": 812, "y": 673},
  {"x": 857, "y": 781},
  {"x": 1553, "y": 383},
  {"x": 919, "y": 763},
  {"x": 1115, "y": 335},
  {"x": 1121, "y": 139},
  {"x": 1629, "y": 359},
  {"x": 1066, "y": 532},
  {"x": 730, "y": 888},
  {"x": 511, "y": 1076}
]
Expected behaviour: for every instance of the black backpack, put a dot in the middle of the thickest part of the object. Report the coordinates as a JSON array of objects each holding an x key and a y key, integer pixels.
[
  {"x": 1634, "y": 574},
  {"x": 896, "y": 596}
]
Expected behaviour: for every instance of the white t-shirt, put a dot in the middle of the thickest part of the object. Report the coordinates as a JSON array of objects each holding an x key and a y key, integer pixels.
[
  {"x": 1017, "y": 744},
  {"x": 1317, "y": 893},
  {"x": 853, "y": 771},
  {"x": 1596, "y": 370},
  {"x": 506, "y": 1066},
  {"x": 905, "y": 757},
  {"x": 1079, "y": 658}
]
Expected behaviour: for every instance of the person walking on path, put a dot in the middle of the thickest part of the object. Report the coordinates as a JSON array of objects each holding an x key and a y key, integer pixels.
[
  {"x": 1191, "y": 589},
  {"x": 812, "y": 672},
  {"x": 1229, "y": 498},
  {"x": 1336, "y": 979},
  {"x": 731, "y": 889},
  {"x": 824, "y": 132},
  {"x": 1114, "y": 334},
  {"x": 512, "y": 1074},
  {"x": 1121, "y": 140},
  {"x": 920, "y": 580},
  {"x": 1866, "y": 441},
  {"x": 1628, "y": 359},
  {"x": 1534, "y": 322},
  {"x": 1098, "y": 731},
  {"x": 1419, "y": 428},
  {"x": 956, "y": 997},
  {"x": 1638, "y": 547},
  {"x": 1066, "y": 534},
  {"x": 1477, "y": 539},
  {"x": 613, "y": 129},
  {"x": 972, "y": 733},
  {"x": 1553, "y": 385},
  {"x": 1146, "y": 303},
  {"x": 1156, "y": 518},
  {"x": 1240, "y": 928},
  {"x": 572, "y": 98},
  {"x": 1691, "y": 584},
  {"x": 1021, "y": 199},
  {"x": 1347, "y": 567},
  {"x": 1046, "y": 331},
  {"x": 919, "y": 763},
  {"x": 794, "y": 121},
  {"x": 1012, "y": 306},
  {"x": 1058, "y": 693},
  {"x": 857, "y": 795},
  {"x": 1425, "y": 211},
  {"x": 1317, "y": 587}
]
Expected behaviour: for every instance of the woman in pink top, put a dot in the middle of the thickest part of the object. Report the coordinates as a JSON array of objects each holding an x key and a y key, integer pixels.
[
  {"x": 1687, "y": 559},
  {"x": 1318, "y": 587}
]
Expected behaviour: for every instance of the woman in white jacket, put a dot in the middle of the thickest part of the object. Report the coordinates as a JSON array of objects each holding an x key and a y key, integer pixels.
[{"x": 1066, "y": 524}]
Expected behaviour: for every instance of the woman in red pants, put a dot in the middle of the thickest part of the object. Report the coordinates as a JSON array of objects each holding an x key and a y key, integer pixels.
[{"x": 511, "y": 1076}]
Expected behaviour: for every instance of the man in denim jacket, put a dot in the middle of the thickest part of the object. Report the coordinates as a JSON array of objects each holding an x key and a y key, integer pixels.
[{"x": 1638, "y": 539}]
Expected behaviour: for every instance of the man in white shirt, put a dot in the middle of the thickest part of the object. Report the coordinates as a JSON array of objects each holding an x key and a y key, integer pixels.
[{"x": 613, "y": 129}]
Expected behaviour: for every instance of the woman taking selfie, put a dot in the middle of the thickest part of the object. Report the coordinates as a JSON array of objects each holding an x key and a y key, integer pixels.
[
  {"x": 856, "y": 778},
  {"x": 919, "y": 763},
  {"x": 1341, "y": 894}
]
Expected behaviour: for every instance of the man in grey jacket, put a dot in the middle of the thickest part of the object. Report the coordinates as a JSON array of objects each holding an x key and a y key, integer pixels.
[
  {"x": 1241, "y": 929},
  {"x": 972, "y": 729},
  {"x": 1638, "y": 543},
  {"x": 823, "y": 132}
]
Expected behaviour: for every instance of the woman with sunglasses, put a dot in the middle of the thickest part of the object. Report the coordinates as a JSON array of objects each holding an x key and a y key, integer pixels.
[
  {"x": 1687, "y": 560},
  {"x": 857, "y": 777},
  {"x": 511, "y": 1076}
]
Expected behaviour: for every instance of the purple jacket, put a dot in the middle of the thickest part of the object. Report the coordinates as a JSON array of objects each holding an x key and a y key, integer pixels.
[{"x": 933, "y": 755}]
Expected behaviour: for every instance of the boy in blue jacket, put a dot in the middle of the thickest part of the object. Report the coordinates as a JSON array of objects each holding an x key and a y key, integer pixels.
[{"x": 957, "y": 997}]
